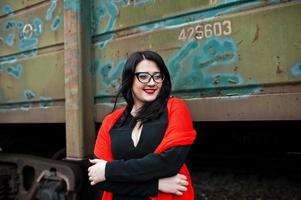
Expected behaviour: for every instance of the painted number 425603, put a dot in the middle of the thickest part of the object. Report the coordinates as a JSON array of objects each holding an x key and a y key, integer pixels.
[{"x": 207, "y": 30}]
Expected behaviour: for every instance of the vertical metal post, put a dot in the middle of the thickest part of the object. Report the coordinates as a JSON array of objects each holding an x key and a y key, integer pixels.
[{"x": 80, "y": 133}]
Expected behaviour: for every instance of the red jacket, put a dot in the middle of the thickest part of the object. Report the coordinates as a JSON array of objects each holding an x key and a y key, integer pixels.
[{"x": 179, "y": 132}]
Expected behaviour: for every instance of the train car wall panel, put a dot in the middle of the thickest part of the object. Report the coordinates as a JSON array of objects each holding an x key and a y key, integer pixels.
[
  {"x": 8, "y": 7},
  {"x": 110, "y": 16},
  {"x": 32, "y": 28},
  {"x": 33, "y": 79},
  {"x": 219, "y": 57},
  {"x": 32, "y": 61}
]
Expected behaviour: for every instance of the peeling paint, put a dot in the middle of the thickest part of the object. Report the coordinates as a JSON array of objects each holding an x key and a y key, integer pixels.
[
  {"x": 9, "y": 59},
  {"x": 45, "y": 102},
  {"x": 16, "y": 71},
  {"x": 141, "y": 3},
  {"x": 19, "y": 24},
  {"x": 7, "y": 9},
  {"x": 27, "y": 44},
  {"x": 37, "y": 26},
  {"x": 29, "y": 95},
  {"x": 9, "y": 25},
  {"x": 108, "y": 75},
  {"x": 50, "y": 10},
  {"x": 296, "y": 69},
  {"x": 26, "y": 106},
  {"x": 57, "y": 21},
  {"x": 198, "y": 58},
  {"x": 105, "y": 10},
  {"x": 104, "y": 40},
  {"x": 137, "y": 3},
  {"x": 10, "y": 39}
]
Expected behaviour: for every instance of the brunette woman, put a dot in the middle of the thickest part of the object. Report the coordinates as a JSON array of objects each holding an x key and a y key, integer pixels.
[{"x": 141, "y": 148}]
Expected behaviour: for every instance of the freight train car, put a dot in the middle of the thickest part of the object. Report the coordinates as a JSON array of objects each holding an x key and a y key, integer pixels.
[{"x": 60, "y": 62}]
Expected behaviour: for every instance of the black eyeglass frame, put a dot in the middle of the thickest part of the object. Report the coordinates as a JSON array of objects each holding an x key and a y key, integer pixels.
[{"x": 151, "y": 76}]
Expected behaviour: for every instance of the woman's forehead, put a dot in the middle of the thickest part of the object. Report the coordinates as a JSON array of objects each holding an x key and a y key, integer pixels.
[{"x": 147, "y": 66}]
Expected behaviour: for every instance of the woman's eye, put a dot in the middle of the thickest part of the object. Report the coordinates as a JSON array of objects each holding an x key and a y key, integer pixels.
[
  {"x": 158, "y": 77},
  {"x": 143, "y": 77}
]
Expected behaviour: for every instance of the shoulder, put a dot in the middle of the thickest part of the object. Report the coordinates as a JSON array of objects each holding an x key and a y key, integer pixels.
[
  {"x": 111, "y": 117},
  {"x": 175, "y": 102}
]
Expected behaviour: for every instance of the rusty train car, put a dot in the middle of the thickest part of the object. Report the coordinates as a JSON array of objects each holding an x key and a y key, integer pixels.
[{"x": 60, "y": 62}]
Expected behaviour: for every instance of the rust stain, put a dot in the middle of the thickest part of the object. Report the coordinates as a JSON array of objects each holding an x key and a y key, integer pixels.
[
  {"x": 256, "y": 34},
  {"x": 279, "y": 70}
]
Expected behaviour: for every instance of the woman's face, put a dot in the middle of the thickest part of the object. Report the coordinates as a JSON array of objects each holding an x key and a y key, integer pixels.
[{"x": 146, "y": 91}]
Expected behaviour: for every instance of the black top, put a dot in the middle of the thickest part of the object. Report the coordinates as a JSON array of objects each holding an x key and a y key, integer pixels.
[{"x": 135, "y": 171}]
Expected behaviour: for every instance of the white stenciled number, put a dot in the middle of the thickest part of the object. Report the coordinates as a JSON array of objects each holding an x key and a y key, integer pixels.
[
  {"x": 190, "y": 32},
  {"x": 182, "y": 35},
  {"x": 199, "y": 34},
  {"x": 227, "y": 27},
  {"x": 208, "y": 30},
  {"x": 27, "y": 31},
  {"x": 217, "y": 29}
]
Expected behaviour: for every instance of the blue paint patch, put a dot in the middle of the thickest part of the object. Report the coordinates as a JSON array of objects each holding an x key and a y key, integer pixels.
[
  {"x": 73, "y": 5},
  {"x": 57, "y": 21},
  {"x": 15, "y": 72},
  {"x": 37, "y": 26},
  {"x": 122, "y": 3},
  {"x": 19, "y": 24},
  {"x": 296, "y": 69},
  {"x": 50, "y": 10},
  {"x": 10, "y": 39},
  {"x": 216, "y": 51},
  {"x": 199, "y": 58},
  {"x": 9, "y": 25},
  {"x": 141, "y": 3},
  {"x": 29, "y": 95},
  {"x": 28, "y": 44},
  {"x": 105, "y": 11},
  {"x": 1, "y": 68},
  {"x": 109, "y": 74},
  {"x": 7, "y": 9},
  {"x": 46, "y": 102}
]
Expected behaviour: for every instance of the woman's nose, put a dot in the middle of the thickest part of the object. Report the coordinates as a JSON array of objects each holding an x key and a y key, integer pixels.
[{"x": 151, "y": 82}]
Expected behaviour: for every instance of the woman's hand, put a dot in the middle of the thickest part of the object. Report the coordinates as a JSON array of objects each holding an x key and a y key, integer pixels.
[
  {"x": 175, "y": 184},
  {"x": 96, "y": 172}
]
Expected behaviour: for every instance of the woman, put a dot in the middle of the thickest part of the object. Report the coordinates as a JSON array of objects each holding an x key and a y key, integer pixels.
[{"x": 141, "y": 148}]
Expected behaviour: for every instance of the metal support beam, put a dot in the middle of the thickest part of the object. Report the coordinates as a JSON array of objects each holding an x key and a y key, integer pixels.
[{"x": 80, "y": 131}]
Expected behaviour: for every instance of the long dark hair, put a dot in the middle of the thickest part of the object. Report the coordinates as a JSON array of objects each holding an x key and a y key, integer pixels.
[{"x": 149, "y": 110}]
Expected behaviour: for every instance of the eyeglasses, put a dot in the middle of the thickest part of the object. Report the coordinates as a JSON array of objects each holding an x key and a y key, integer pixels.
[{"x": 145, "y": 77}]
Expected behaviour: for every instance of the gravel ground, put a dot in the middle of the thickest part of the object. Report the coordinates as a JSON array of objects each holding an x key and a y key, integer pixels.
[{"x": 242, "y": 186}]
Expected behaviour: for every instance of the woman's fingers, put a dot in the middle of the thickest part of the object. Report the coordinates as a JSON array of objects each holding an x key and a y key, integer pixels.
[
  {"x": 182, "y": 188},
  {"x": 179, "y": 193},
  {"x": 93, "y": 161},
  {"x": 184, "y": 183},
  {"x": 182, "y": 176}
]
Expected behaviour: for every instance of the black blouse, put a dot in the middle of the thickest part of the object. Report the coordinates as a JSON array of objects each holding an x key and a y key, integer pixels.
[{"x": 135, "y": 170}]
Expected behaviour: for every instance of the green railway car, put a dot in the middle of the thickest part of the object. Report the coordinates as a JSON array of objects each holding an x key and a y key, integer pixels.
[{"x": 60, "y": 63}]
